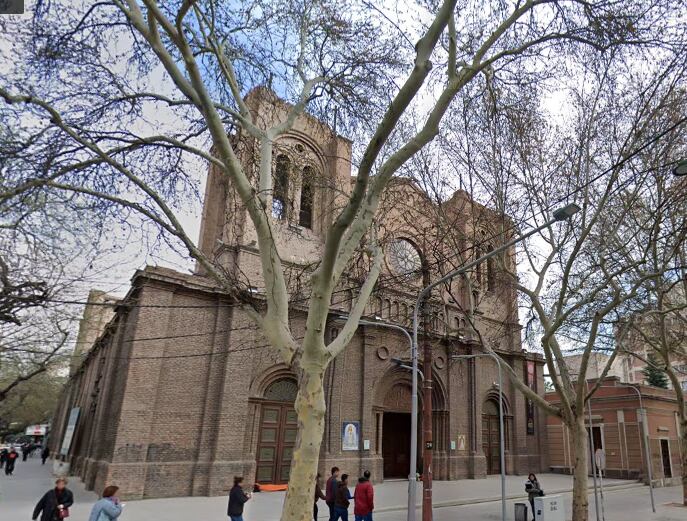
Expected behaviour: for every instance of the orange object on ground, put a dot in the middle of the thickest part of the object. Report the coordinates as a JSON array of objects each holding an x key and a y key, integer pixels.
[{"x": 271, "y": 488}]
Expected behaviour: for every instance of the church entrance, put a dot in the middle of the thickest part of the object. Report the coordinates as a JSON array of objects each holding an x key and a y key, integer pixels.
[
  {"x": 490, "y": 436},
  {"x": 277, "y": 435},
  {"x": 396, "y": 444}
]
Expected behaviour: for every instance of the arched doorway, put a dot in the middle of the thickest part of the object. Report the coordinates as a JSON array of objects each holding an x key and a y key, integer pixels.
[
  {"x": 491, "y": 443},
  {"x": 394, "y": 404},
  {"x": 396, "y": 431},
  {"x": 277, "y": 434}
]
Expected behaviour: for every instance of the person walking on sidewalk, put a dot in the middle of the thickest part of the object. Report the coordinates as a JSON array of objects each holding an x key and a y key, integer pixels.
[
  {"x": 3, "y": 457},
  {"x": 237, "y": 497},
  {"x": 108, "y": 508},
  {"x": 364, "y": 498},
  {"x": 533, "y": 490},
  {"x": 11, "y": 460},
  {"x": 342, "y": 499},
  {"x": 45, "y": 454},
  {"x": 330, "y": 491},
  {"x": 318, "y": 495},
  {"x": 55, "y": 503}
]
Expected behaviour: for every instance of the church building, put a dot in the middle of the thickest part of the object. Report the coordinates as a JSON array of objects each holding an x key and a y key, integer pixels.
[{"x": 180, "y": 391}]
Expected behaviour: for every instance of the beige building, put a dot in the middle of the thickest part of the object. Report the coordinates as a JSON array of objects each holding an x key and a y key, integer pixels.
[{"x": 181, "y": 391}]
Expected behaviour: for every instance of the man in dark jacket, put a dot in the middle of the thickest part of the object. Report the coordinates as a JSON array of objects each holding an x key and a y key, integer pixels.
[
  {"x": 364, "y": 498},
  {"x": 330, "y": 491},
  {"x": 45, "y": 454},
  {"x": 59, "y": 498},
  {"x": 11, "y": 460},
  {"x": 237, "y": 497},
  {"x": 342, "y": 499}
]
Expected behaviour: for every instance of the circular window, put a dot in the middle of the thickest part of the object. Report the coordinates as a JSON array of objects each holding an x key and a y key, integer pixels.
[
  {"x": 402, "y": 257},
  {"x": 382, "y": 353},
  {"x": 439, "y": 362}
]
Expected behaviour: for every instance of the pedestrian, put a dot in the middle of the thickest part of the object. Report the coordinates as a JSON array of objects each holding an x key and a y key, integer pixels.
[
  {"x": 11, "y": 460},
  {"x": 237, "y": 497},
  {"x": 55, "y": 503},
  {"x": 364, "y": 498},
  {"x": 342, "y": 499},
  {"x": 318, "y": 495},
  {"x": 24, "y": 451},
  {"x": 45, "y": 454},
  {"x": 533, "y": 490},
  {"x": 3, "y": 457},
  {"x": 330, "y": 491},
  {"x": 107, "y": 508}
]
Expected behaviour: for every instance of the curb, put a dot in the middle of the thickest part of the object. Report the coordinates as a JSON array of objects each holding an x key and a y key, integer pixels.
[{"x": 494, "y": 499}]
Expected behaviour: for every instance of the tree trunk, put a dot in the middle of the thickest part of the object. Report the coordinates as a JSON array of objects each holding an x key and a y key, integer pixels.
[
  {"x": 310, "y": 407},
  {"x": 580, "y": 504}
]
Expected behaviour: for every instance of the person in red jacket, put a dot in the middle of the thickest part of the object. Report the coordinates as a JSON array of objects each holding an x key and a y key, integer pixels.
[{"x": 364, "y": 498}]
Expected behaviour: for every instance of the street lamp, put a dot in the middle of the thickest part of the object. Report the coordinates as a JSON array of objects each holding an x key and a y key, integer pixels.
[
  {"x": 645, "y": 435},
  {"x": 501, "y": 434},
  {"x": 412, "y": 475},
  {"x": 560, "y": 214},
  {"x": 681, "y": 168}
]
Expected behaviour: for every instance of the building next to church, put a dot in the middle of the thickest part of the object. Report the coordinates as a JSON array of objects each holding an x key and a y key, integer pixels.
[
  {"x": 618, "y": 429},
  {"x": 181, "y": 392}
]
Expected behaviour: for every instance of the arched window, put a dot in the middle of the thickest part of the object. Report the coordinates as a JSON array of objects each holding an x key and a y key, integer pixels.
[
  {"x": 280, "y": 191},
  {"x": 479, "y": 268},
  {"x": 305, "y": 213},
  {"x": 404, "y": 312},
  {"x": 491, "y": 275},
  {"x": 283, "y": 390},
  {"x": 386, "y": 312},
  {"x": 394, "y": 312}
]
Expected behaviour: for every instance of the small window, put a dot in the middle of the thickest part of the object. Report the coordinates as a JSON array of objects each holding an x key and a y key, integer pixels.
[
  {"x": 280, "y": 192},
  {"x": 305, "y": 213},
  {"x": 491, "y": 275}
]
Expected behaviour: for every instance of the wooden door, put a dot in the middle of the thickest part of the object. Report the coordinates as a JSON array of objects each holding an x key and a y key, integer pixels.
[
  {"x": 598, "y": 444},
  {"x": 490, "y": 437},
  {"x": 278, "y": 429},
  {"x": 396, "y": 444},
  {"x": 491, "y": 443}
]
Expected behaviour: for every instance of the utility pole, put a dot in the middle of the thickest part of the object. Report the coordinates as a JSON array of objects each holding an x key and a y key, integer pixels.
[
  {"x": 427, "y": 435},
  {"x": 561, "y": 214}
]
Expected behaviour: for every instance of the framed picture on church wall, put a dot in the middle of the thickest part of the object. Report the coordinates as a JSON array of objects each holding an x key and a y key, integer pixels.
[{"x": 350, "y": 436}]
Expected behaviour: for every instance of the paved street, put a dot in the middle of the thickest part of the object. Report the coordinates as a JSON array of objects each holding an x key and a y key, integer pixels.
[{"x": 467, "y": 499}]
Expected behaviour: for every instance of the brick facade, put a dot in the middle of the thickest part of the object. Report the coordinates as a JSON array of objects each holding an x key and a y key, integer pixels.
[
  {"x": 615, "y": 415},
  {"x": 175, "y": 394}
]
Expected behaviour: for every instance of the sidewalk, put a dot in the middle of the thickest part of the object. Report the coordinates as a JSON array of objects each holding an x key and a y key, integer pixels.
[{"x": 20, "y": 493}]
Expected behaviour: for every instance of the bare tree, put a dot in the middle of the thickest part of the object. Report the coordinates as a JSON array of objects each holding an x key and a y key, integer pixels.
[
  {"x": 657, "y": 324},
  {"x": 94, "y": 74},
  {"x": 580, "y": 278}
]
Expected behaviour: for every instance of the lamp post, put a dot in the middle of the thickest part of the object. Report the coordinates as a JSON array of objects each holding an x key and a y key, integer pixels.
[
  {"x": 647, "y": 454},
  {"x": 645, "y": 436},
  {"x": 412, "y": 475},
  {"x": 501, "y": 430},
  {"x": 681, "y": 168},
  {"x": 559, "y": 215}
]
